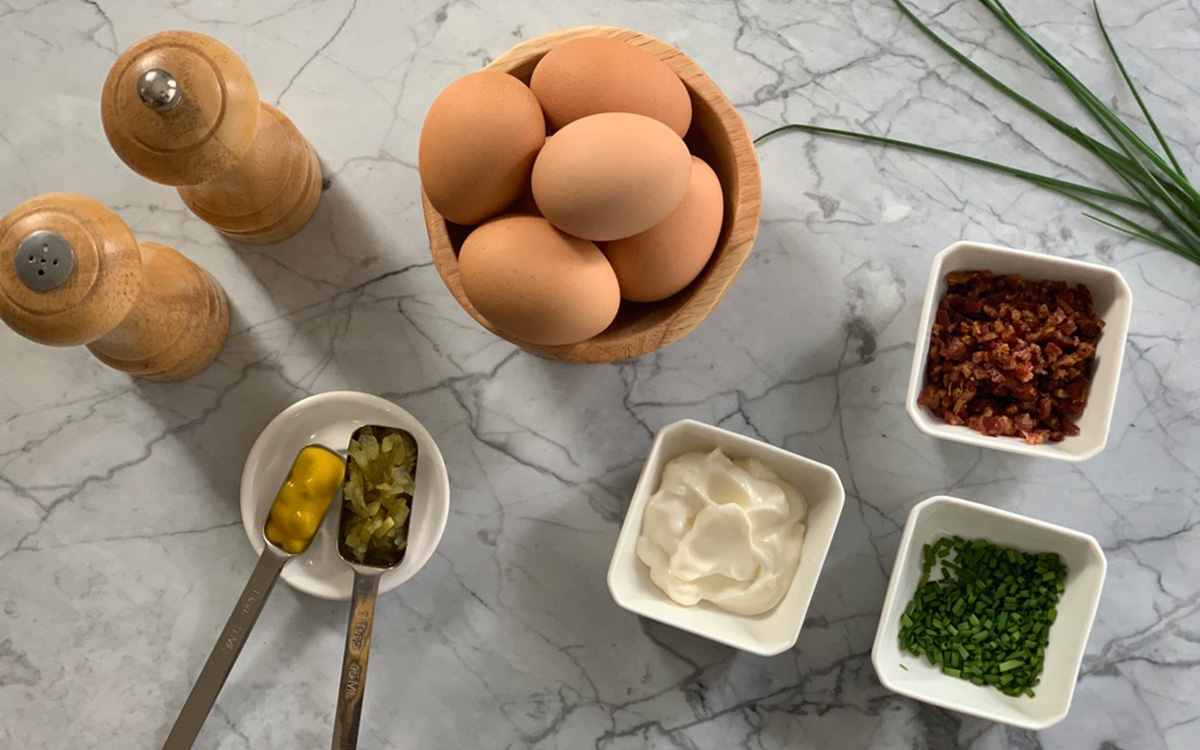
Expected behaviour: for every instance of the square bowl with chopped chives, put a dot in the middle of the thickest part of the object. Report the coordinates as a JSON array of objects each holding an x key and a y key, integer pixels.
[{"x": 988, "y": 612}]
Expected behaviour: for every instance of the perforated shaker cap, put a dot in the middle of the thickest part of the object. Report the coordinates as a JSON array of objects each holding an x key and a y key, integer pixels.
[{"x": 70, "y": 270}]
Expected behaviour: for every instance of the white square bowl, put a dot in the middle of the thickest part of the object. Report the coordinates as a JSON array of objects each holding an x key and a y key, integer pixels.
[
  {"x": 946, "y": 516},
  {"x": 1112, "y": 302},
  {"x": 767, "y": 634}
]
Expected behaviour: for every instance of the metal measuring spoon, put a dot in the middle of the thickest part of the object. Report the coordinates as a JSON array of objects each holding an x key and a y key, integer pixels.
[
  {"x": 229, "y": 644},
  {"x": 358, "y": 636}
]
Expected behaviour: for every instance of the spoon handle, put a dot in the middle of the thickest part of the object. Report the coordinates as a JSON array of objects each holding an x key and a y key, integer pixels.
[
  {"x": 354, "y": 663},
  {"x": 225, "y": 652}
]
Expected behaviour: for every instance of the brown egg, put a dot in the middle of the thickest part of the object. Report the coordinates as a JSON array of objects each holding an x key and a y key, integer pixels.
[
  {"x": 478, "y": 145},
  {"x": 611, "y": 175},
  {"x": 537, "y": 284},
  {"x": 591, "y": 75},
  {"x": 667, "y": 257}
]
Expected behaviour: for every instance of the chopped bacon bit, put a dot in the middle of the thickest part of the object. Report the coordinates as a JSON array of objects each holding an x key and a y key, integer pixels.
[{"x": 1010, "y": 357}]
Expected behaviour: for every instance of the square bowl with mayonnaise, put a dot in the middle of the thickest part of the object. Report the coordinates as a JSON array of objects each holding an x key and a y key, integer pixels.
[{"x": 725, "y": 537}]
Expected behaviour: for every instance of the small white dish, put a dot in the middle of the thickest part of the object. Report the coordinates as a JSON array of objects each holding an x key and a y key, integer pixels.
[
  {"x": 946, "y": 516},
  {"x": 330, "y": 419},
  {"x": 767, "y": 634},
  {"x": 1112, "y": 301}
]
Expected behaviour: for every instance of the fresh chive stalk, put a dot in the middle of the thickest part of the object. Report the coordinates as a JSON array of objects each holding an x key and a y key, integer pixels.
[
  {"x": 958, "y": 626},
  {"x": 1159, "y": 206}
]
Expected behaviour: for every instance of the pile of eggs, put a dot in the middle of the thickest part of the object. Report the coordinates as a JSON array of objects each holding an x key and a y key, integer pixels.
[{"x": 609, "y": 206}]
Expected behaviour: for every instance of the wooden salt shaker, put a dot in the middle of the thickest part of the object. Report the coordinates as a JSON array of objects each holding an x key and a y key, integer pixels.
[
  {"x": 180, "y": 108},
  {"x": 72, "y": 273}
]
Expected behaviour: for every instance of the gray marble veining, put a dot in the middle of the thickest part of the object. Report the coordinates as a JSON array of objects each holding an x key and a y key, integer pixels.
[{"x": 121, "y": 549}]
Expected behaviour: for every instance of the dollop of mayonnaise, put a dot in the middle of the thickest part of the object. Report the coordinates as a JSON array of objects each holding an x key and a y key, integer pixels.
[{"x": 726, "y": 531}]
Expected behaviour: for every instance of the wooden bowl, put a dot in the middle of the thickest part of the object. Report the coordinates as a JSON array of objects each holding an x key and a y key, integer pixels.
[{"x": 717, "y": 135}]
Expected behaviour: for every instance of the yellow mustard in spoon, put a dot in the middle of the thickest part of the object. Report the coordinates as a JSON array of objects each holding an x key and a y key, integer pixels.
[
  {"x": 302, "y": 501},
  {"x": 304, "y": 498}
]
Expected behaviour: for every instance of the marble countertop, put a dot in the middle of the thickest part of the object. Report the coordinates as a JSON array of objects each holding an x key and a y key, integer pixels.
[{"x": 121, "y": 546}]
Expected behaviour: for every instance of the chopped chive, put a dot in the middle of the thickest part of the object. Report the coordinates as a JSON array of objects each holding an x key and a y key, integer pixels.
[{"x": 987, "y": 617}]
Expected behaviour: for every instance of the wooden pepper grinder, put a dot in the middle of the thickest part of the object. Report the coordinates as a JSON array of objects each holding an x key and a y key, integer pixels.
[
  {"x": 72, "y": 273},
  {"x": 180, "y": 108}
]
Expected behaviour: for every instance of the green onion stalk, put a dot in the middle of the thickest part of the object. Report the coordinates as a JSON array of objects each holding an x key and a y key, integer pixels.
[{"x": 1158, "y": 203}]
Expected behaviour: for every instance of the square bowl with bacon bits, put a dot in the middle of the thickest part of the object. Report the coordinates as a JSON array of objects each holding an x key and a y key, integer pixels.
[{"x": 1019, "y": 351}]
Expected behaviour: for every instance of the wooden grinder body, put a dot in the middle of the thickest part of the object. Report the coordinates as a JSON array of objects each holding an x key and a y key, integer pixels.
[
  {"x": 141, "y": 308},
  {"x": 238, "y": 163}
]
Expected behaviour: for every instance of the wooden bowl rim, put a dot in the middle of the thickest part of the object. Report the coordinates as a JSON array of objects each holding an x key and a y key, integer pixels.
[{"x": 743, "y": 223}]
